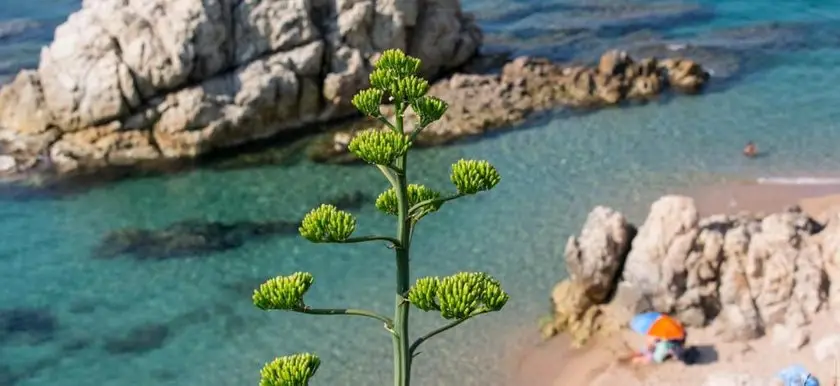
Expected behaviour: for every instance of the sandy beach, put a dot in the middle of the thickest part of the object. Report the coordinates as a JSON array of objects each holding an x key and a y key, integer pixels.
[
  {"x": 736, "y": 197},
  {"x": 554, "y": 363}
]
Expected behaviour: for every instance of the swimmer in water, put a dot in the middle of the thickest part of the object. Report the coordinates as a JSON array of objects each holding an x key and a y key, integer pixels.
[{"x": 750, "y": 150}]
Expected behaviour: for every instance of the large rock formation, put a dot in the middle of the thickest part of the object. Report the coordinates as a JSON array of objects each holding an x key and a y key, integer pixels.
[
  {"x": 131, "y": 80},
  {"x": 594, "y": 261},
  {"x": 744, "y": 275},
  {"x": 479, "y": 103}
]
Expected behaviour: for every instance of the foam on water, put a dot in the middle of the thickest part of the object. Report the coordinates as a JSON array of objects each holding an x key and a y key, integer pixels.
[
  {"x": 554, "y": 171},
  {"x": 798, "y": 181}
]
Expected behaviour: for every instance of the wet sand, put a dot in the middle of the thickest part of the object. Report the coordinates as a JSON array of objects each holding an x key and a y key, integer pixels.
[{"x": 554, "y": 363}]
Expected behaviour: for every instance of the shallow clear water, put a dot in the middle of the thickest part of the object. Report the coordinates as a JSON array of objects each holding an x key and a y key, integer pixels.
[{"x": 554, "y": 170}]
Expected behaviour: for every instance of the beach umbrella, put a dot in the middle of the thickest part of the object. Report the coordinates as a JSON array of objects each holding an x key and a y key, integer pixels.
[{"x": 658, "y": 325}]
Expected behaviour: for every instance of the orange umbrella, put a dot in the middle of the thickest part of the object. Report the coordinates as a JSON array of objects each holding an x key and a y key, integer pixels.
[{"x": 658, "y": 325}]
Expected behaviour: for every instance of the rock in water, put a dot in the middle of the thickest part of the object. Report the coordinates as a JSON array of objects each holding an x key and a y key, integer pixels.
[
  {"x": 138, "y": 340},
  {"x": 188, "y": 238},
  {"x": 127, "y": 81},
  {"x": 34, "y": 325},
  {"x": 481, "y": 103}
]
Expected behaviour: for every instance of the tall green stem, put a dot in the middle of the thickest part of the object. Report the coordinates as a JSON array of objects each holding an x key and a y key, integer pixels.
[{"x": 402, "y": 358}]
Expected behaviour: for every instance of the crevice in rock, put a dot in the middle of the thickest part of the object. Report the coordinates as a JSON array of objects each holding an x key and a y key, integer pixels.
[
  {"x": 147, "y": 103},
  {"x": 319, "y": 18},
  {"x": 128, "y": 105},
  {"x": 234, "y": 34},
  {"x": 154, "y": 143},
  {"x": 618, "y": 277}
]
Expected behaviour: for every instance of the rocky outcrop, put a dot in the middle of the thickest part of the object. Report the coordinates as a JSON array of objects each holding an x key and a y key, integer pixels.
[
  {"x": 127, "y": 81},
  {"x": 596, "y": 256},
  {"x": 743, "y": 275},
  {"x": 594, "y": 261},
  {"x": 480, "y": 103}
]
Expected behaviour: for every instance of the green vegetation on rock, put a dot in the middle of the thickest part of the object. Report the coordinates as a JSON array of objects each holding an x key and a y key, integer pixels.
[{"x": 457, "y": 297}]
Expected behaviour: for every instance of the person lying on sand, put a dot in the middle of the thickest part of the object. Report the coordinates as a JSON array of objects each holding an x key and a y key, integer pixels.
[
  {"x": 659, "y": 350},
  {"x": 665, "y": 337}
]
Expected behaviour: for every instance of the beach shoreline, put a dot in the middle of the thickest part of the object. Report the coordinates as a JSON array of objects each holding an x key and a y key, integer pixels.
[{"x": 555, "y": 362}]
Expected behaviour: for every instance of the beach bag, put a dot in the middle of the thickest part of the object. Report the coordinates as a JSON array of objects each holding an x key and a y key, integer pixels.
[
  {"x": 690, "y": 355},
  {"x": 797, "y": 375}
]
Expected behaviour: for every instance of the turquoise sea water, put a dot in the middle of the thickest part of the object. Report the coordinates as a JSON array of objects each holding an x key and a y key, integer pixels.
[{"x": 194, "y": 314}]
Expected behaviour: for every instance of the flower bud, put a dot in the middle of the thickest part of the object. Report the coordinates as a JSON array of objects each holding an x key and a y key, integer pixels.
[
  {"x": 397, "y": 61},
  {"x": 326, "y": 224},
  {"x": 458, "y": 296},
  {"x": 379, "y": 147},
  {"x": 472, "y": 176},
  {"x": 387, "y": 201},
  {"x": 424, "y": 292},
  {"x": 368, "y": 101},
  {"x": 381, "y": 79},
  {"x": 283, "y": 292},
  {"x": 429, "y": 109},
  {"x": 409, "y": 88},
  {"x": 494, "y": 298},
  {"x": 290, "y": 370}
]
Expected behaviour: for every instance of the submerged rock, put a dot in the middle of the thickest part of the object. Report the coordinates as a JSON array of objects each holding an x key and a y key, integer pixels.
[
  {"x": 187, "y": 238},
  {"x": 138, "y": 340},
  {"x": 195, "y": 237},
  {"x": 480, "y": 103},
  {"x": 8, "y": 376},
  {"x": 128, "y": 81},
  {"x": 740, "y": 274},
  {"x": 28, "y": 324}
]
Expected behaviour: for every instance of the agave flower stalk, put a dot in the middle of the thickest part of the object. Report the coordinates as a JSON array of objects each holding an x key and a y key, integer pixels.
[{"x": 458, "y": 297}]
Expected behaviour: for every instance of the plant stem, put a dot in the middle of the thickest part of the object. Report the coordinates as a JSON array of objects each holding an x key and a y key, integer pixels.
[
  {"x": 402, "y": 359},
  {"x": 348, "y": 311},
  {"x": 385, "y": 121},
  {"x": 363, "y": 239},
  {"x": 439, "y": 330},
  {"x": 434, "y": 201}
]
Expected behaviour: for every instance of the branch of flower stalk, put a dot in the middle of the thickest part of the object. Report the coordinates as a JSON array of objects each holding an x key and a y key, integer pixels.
[
  {"x": 388, "y": 123},
  {"x": 420, "y": 340},
  {"x": 411, "y": 232},
  {"x": 389, "y": 324},
  {"x": 363, "y": 239},
  {"x": 416, "y": 133},
  {"x": 389, "y": 173},
  {"x": 433, "y": 201}
]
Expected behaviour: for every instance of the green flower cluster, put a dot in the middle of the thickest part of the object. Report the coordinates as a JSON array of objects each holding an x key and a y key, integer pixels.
[
  {"x": 395, "y": 75},
  {"x": 368, "y": 102},
  {"x": 471, "y": 176},
  {"x": 458, "y": 296},
  {"x": 379, "y": 147},
  {"x": 429, "y": 109},
  {"x": 326, "y": 224},
  {"x": 283, "y": 292},
  {"x": 291, "y": 370},
  {"x": 387, "y": 201}
]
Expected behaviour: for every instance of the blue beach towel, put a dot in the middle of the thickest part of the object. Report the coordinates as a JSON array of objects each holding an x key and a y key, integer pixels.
[{"x": 796, "y": 375}]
